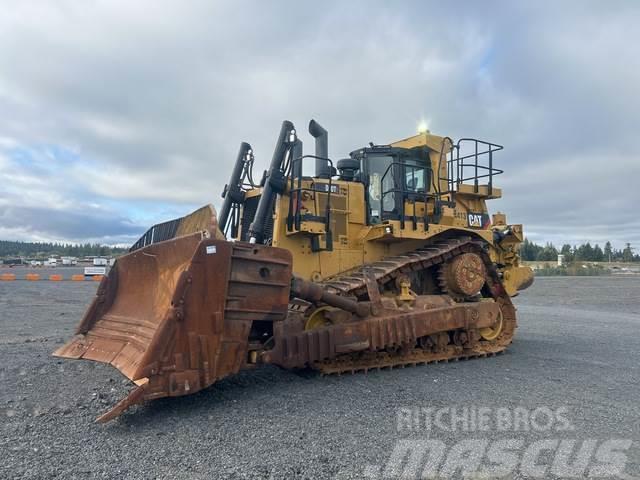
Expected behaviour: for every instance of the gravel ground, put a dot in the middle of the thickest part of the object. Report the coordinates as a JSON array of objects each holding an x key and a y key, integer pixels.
[{"x": 575, "y": 350}]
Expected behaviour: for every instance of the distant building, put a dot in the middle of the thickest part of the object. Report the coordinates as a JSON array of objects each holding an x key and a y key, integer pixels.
[{"x": 13, "y": 261}]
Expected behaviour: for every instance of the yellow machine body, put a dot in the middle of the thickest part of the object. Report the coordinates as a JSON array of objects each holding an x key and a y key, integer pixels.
[{"x": 355, "y": 242}]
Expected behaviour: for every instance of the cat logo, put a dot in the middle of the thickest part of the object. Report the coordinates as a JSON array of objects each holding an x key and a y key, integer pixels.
[{"x": 475, "y": 220}]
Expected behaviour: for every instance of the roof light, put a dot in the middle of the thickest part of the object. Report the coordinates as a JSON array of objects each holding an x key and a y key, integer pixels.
[{"x": 423, "y": 127}]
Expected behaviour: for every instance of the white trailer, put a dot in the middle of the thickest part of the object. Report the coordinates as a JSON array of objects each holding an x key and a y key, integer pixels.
[
  {"x": 91, "y": 271},
  {"x": 69, "y": 261}
]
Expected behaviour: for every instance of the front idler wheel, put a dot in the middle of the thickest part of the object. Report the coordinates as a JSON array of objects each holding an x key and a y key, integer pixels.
[{"x": 493, "y": 332}]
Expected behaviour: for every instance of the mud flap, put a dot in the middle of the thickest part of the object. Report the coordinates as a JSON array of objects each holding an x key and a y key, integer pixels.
[{"x": 175, "y": 316}]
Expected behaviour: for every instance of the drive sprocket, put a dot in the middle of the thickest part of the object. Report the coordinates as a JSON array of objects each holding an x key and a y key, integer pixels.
[{"x": 463, "y": 276}]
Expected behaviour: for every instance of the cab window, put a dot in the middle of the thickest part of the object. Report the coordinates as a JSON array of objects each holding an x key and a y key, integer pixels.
[
  {"x": 380, "y": 184},
  {"x": 414, "y": 179}
]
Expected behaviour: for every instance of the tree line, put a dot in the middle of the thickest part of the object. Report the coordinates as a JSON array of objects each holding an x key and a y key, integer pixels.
[
  {"x": 41, "y": 249},
  {"x": 528, "y": 251},
  {"x": 585, "y": 252}
]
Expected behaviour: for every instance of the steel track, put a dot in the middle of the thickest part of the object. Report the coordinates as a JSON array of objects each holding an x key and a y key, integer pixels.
[{"x": 386, "y": 270}]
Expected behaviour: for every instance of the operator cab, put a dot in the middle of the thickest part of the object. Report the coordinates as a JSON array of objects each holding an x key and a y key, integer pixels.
[{"x": 392, "y": 176}]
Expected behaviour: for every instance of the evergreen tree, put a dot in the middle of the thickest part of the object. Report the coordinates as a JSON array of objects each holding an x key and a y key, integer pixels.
[
  {"x": 567, "y": 251},
  {"x": 43, "y": 249},
  {"x": 528, "y": 251},
  {"x": 548, "y": 253},
  {"x": 585, "y": 252},
  {"x": 627, "y": 253},
  {"x": 598, "y": 254}
]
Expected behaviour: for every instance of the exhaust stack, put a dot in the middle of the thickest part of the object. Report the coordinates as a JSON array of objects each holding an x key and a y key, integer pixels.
[{"x": 322, "y": 149}]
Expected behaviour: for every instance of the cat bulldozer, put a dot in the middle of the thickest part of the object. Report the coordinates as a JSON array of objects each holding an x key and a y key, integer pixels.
[{"x": 388, "y": 258}]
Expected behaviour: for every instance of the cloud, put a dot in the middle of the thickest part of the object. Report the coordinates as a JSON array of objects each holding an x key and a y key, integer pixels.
[
  {"x": 141, "y": 107},
  {"x": 38, "y": 223}
]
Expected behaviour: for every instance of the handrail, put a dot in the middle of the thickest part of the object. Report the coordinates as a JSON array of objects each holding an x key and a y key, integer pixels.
[
  {"x": 294, "y": 217},
  {"x": 456, "y": 164}
]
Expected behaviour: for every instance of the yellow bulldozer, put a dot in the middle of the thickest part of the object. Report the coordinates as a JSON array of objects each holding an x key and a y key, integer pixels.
[{"x": 386, "y": 258}]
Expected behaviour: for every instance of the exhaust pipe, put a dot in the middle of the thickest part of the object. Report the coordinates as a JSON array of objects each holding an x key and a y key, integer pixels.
[{"x": 322, "y": 149}]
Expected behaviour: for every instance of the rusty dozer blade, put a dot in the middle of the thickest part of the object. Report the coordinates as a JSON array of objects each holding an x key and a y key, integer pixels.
[{"x": 175, "y": 316}]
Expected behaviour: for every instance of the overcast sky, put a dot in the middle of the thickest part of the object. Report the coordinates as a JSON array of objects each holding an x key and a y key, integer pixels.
[{"x": 116, "y": 115}]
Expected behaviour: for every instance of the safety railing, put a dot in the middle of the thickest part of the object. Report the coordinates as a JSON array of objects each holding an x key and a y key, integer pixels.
[{"x": 471, "y": 160}]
